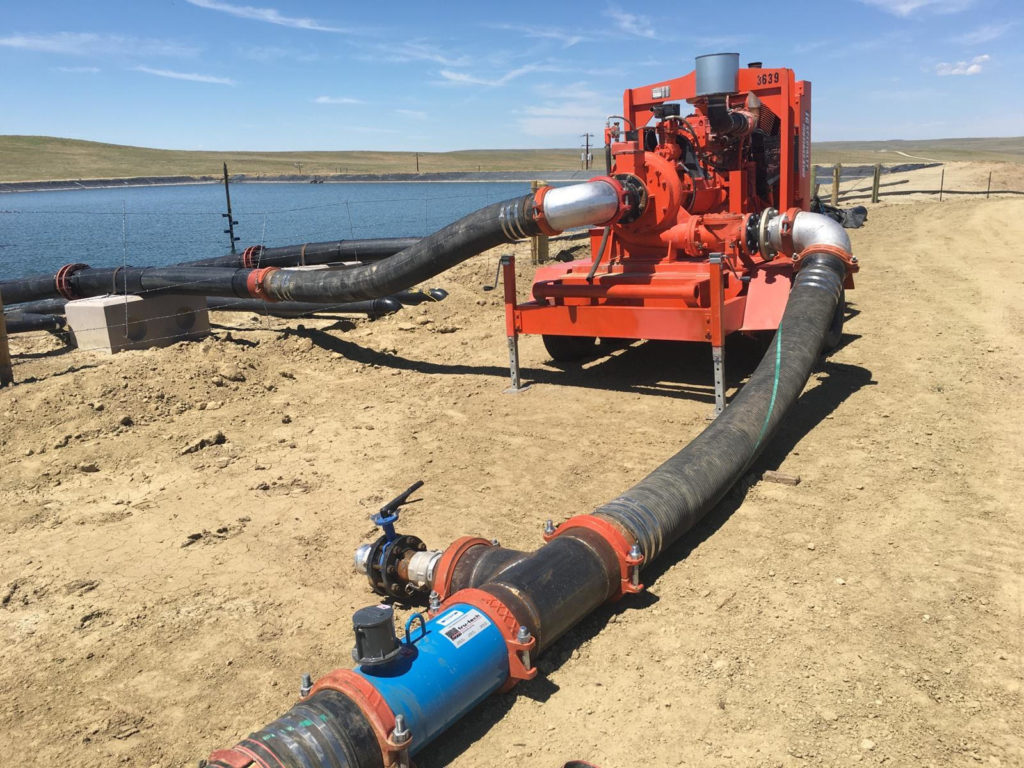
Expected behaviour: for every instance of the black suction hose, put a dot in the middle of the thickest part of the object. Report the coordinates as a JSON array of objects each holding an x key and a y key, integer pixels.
[
  {"x": 668, "y": 502},
  {"x": 486, "y": 228}
]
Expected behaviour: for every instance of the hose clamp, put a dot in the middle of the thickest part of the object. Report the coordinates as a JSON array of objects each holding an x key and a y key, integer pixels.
[
  {"x": 629, "y": 559},
  {"x": 62, "y": 280},
  {"x": 519, "y": 650},
  {"x": 848, "y": 259},
  {"x": 251, "y": 256},
  {"x": 538, "y": 212},
  {"x": 255, "y": 283},
  {"x": 445, "y": 569}
]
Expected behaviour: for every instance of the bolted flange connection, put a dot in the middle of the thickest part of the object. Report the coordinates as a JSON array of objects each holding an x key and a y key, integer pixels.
[
  {"x": 400, "y": 738},
  {"x": 524, "y": 637},
  {"x": 636, "y": 557}
]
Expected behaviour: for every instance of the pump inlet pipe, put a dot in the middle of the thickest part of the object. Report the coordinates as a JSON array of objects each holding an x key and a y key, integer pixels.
[
  {"x": 549, "y": 211},
  {"x": 493, "y": 610}
]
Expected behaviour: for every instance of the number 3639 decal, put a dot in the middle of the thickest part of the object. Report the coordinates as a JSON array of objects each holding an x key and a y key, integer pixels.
[{"x": 768, "y": 78}]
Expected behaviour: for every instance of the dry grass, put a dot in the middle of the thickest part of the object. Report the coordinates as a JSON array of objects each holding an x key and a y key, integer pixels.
[
  {"x": 44, "y": 158},
  {"x": 997, "y": 150}
]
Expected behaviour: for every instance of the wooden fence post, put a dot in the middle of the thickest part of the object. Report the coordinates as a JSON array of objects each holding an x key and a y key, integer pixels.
[
  {"x": 837, "y": 171},
  {"x": 875, "y": 182},
  {"x": 6, "y": 372},
  {"x": 538, "y": 243},
  {"x": 988, "y": 189},
  {"x": 942, "y": 182}
]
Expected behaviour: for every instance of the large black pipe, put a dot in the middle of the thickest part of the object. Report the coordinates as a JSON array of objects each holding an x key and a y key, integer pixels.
[
  {"x": 311, "y": 253},
  {"x": 375, "y": 307},
  {"x": 22, "y": 322},
  {"x": 486, "y": 228},
  {"x": 405, "y": 298}
]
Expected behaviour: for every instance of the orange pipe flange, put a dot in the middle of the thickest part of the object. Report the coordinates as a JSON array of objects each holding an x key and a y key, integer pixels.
[
  {"x": 847, "y": 258},
  {"x": 251, "y": 256},
  {"x": 368, "y": 699},
  {"x": 255, "y": 283},
  {"x": 446, "y": 565},
  {"x": 508, "y": 625},
  {"x": 619, "y": 544},
  {"x": 538, "y": 212}
]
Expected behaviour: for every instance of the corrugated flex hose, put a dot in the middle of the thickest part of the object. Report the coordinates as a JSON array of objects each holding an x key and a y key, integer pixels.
[{"x": 669, "y": 501}]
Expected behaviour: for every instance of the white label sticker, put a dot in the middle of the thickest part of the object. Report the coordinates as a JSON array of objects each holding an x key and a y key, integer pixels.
[{"x": 466, "y": 626}]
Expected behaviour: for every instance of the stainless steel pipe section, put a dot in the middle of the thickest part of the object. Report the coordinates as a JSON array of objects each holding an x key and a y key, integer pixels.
[{"x": 592, "y": 203}]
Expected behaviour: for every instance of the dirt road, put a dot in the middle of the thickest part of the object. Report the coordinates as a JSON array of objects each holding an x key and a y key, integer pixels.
[{"x": 158, "y": 604}]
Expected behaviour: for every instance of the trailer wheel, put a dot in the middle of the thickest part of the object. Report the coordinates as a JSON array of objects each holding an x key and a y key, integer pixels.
[
  {"x": 835, "y": 330},
  {"x": 567, "y": 348}
]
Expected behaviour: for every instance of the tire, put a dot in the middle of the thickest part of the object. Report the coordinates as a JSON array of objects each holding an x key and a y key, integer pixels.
[
  {"x": 568, "y": 348},
  {"x": 835, "y": 331}
]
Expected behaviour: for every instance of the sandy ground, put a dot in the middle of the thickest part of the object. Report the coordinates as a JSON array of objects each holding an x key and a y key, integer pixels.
[{"x": 158, "y": 604}]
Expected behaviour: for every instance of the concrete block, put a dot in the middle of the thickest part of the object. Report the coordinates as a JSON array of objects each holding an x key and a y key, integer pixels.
[{"x": 115, "y": 323}]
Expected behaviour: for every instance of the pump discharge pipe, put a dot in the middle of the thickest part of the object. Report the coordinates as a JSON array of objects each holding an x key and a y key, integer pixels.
[{"x": 493, "y": 610}]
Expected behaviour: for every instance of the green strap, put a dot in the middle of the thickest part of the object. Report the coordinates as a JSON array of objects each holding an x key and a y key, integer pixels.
[{"x": 775, "y": 386}]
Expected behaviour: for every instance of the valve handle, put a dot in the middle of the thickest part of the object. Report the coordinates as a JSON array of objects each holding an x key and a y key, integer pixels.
[{"x": 388, "y": 515}]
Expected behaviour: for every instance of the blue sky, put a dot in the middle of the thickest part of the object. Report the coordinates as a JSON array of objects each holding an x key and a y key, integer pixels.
[{"x": 313, "y": 74}]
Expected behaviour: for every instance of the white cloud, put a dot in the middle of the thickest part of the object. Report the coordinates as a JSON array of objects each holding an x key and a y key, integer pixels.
[
  {"x": 985, "y": 34},
  {"x": 568, "y": 39},
  {"x": 972, "y": 67},
  {"x": 909, "y": 7},
  {"x": 461, "y": 78},
  {"x": 416, "y": 51},
  {"x": 269, "y": 15},
  {"x": 566, "y": 112},
  {"x": 630, "y": 23},
  {"x": 195, "y": 78},
  {"x": 79, "y": 70},
  {"x": 413, "y": 114},
  {"x": 336, "y": 100},
  {"x": 91, "y": 44}
]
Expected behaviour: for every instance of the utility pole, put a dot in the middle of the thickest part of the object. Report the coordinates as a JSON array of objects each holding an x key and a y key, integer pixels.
[
  {"x": 230, "y": 231},
  {"x": 417, "y": 162},
  {"x": 586, "y": 150}
]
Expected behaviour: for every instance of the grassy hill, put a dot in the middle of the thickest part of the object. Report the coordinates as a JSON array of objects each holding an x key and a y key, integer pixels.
[
  {"x": 42, "y": 158},
  {"x": 995, "y": 150}
]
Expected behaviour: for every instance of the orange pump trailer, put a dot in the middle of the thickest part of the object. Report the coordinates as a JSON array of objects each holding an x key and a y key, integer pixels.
[{"x": 697, "y": 263}]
